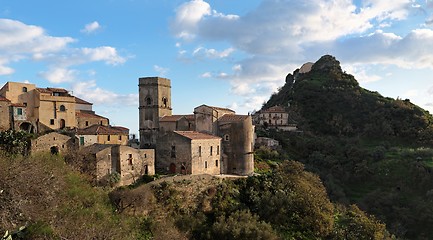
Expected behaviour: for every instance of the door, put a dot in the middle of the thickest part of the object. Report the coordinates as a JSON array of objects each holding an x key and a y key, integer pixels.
[{"x": 172, "y": 168}]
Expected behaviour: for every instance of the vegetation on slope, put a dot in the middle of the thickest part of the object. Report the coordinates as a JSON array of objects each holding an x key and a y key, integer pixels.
[
  {"x": 45, "y": 199},
  {"x": 368, "y": 150}
]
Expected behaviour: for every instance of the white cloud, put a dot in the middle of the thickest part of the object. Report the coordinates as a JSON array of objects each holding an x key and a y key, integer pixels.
[
  {"x": 59, "y": 75},
  {"x": 202, "y": 52},
  {"x": 92, "y": 93},
  {"x": 106, "y": 54},
  {"x": 20, "y": 42},
  {"x": 361, "y": 73},
  {"x": 91, "y": 27},
  {"x": 206, "y": 75},
  {"x": 160, "y": 70}
]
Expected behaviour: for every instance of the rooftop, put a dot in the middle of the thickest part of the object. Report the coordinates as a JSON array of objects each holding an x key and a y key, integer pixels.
[
  {"x": 193, "y": 135},
  {"x": 274, "y": 109},
  {"x": 232, "y": 118},
  {"x": 3, "y": 99},
  {"x": 103, "y": 130},
  {"x": 88, "y": 114},
  {"x": 81, "y": 101}
]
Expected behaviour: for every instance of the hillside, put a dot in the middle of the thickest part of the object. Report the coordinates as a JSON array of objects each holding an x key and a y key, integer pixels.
[
  {"x": 369, "y": 150},
  {"x": 43, "y": 198}
]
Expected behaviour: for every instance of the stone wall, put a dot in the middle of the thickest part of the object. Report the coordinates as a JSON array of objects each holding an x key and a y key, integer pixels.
[{"x": 52, "y": 141}]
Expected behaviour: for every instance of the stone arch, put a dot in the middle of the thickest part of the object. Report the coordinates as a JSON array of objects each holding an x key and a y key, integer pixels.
[
  {"x": 62, "y": 123},
  {"x": 172, "y": 168},
  {"x": 27, "y": 127},
  {"x": 62, "y": 108},
  {"x": 54, "y": 150},
  {"x": 148, "y": 101},
  {"x": 164, "y": 102}
]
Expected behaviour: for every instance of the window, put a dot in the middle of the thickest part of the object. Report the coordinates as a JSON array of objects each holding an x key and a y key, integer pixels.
[
  {"x": 216, "y": 163},
  {"x": 148, "y": 101},
  {"x": 226, "y": 137},
  {"x": 199, "y": 151},
  {"x": 62, "y": 108},
  {"x": 145, "y": 155},
  {"x": 51, "y": 121},
  {"x": 218, "y": 150},
  {"x": 56, "y": 94},
  {"x": 24, "y": 89},
  {"x": 164, "y": 102},
  {"x": 87, "y": 123},
  {"x": 120, "y": 137},
  {"x": 211, "y": 150},
  {"x": 101, "y": 123},
  {"x": 19, "y": 111},
  {"x": 25, "y": 104},
  {"x": 205, "y": 164},
  {"x": 130, "y": 159},
  {"x": 108, "y": 138},
  {"x": 81, "y": 141},
  {"x": 173, "y": 151}
]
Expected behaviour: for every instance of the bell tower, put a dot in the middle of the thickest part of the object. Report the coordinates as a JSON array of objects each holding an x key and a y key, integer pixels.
[{"x": 154, "y": 102}]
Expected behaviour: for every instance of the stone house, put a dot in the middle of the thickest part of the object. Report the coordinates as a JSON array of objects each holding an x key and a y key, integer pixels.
[
  {"x": 159, "y": 129},
  {"x": 274, "y": 117},
  {"x": 189, "y": 152},
  {"x": 266, "y": 142},
  {"x": 40, "y": 110},
  {"x": 55, "y": 143},
  {"x": 104, "y": 160},
  {"x": 102, "y": 135},
  {"x": 5, "y": 121}
]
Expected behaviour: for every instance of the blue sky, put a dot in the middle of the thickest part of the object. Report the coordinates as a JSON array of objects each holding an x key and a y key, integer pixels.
[{"x": 227, "y": 53}]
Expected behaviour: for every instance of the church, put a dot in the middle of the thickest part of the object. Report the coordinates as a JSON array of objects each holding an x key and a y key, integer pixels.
[{"x": 211, "y": 140}]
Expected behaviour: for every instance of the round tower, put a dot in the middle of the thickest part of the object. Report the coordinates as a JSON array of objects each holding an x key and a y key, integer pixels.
[{"x": 154, "y": 102}]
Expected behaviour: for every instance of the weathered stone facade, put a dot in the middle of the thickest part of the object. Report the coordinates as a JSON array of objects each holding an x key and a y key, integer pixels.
[
  {"x": 102, "y": 135},
  {"x": 41, "y": 110},
  {"x": 54, "y": 142},
  {"x": 155, "y": 102},
  {"x": 275, "y": 117},
  {"x": 162, "y": 130},
  {"x": 189, "y": 152},
  {"x": 129, "y": 163}
]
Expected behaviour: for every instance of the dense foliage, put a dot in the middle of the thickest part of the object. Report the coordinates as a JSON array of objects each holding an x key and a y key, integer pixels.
[
  {"x": 368, "y": 150},
  {"x": 15, "y": 142}
]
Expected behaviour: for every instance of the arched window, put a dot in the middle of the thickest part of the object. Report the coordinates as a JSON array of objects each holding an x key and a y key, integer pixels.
[
  {"x": 24, "y": 89},
  {"x": 148, "y": 101},
  {"x": 62, "y": 108},
  {"x": 164, "y": 101}
]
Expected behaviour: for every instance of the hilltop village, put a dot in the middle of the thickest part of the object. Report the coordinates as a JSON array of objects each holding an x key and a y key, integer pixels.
[{"x": 211, "y": 140}]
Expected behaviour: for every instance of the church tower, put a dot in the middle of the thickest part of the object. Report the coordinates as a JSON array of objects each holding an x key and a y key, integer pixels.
[{"x": 154, "y": 102}]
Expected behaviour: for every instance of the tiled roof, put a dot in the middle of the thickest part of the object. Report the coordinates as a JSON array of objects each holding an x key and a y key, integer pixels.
[
  {"x": 3, "y": 99},
  {"x": 51, "y": 90},
  {"x": 81, "y": 101},
  {"x": 217, "y": 108},
  {"x": 274, "y": 109},
  {"x": 193, "y": 135},
  {"x": 190, "y": 117},
  {"x": 174, "y": 118},
  {"x": 232, "y": 118},
  {"x": 221, "y": 109},
  {"x": 88, "y": 114},
  {"x": 102, "y": 130}
]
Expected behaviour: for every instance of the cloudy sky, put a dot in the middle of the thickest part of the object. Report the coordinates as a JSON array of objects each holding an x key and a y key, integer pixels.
[{"x": 228, "y": 53}]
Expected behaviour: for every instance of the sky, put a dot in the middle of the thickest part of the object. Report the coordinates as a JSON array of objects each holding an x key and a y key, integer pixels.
[{"x": 226, "y": 53}]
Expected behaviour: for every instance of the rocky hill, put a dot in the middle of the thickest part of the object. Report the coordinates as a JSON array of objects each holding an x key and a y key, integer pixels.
[
  {"x": 368, "y": 150},
  {"x": 331, "y": 102}
]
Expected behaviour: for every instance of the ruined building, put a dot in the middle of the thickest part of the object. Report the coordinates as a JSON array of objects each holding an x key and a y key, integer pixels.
[{"x": 212, "y": 140}]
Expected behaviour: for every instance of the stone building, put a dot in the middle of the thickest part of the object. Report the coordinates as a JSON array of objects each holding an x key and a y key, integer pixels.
[
  {"x": 274, "y": 117},
  {"x": 130, "y": 163},
  {"x": 189, "y": 152},
  {"x": 102, "y": 135},
  {"x": 161, "y": 130},
  {"x": 54, "y": 142},
  {"x": 41, "y": 110}
]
